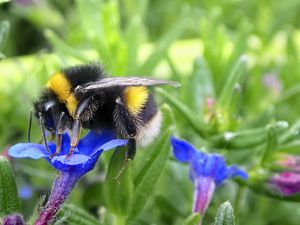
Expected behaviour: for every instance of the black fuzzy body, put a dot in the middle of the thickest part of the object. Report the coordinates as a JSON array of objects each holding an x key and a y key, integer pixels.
[{"x": 101, "y": 111}]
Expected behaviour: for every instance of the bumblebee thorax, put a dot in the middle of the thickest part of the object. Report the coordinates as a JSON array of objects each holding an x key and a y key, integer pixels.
[{"x": 61, "y": 87}]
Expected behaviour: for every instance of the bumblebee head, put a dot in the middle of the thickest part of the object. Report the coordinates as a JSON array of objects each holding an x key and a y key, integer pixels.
[
  {"x": 48, "y": 110},
  {"x": 43, "y": 110}
]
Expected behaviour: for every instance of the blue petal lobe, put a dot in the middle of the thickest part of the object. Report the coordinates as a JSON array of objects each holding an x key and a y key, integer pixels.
[
  {"x": 94, "y": 140},
  {"x": 28, "y": 150},
  {"x": 182, "y": 150},
  {"x": 110, "y": 145},
  {"x": 75, "y": 159},
  {"x": 65, "y": 144},
  {"x": 236, "y": 171}
]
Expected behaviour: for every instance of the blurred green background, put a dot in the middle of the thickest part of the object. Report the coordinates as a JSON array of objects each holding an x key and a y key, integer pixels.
[{"x": 176, "y": 40}]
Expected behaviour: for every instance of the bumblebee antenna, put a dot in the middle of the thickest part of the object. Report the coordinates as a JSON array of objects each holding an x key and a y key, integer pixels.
[
  {"x": 29, "y": 126},
  {"x": 43, "y": 132}
]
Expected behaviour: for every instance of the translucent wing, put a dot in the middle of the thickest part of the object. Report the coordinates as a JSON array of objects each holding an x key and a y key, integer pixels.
[{"x": 123, "y": 82}]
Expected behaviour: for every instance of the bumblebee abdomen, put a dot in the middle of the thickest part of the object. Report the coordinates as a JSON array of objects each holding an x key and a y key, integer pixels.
[{"x": 135, "y": 98}]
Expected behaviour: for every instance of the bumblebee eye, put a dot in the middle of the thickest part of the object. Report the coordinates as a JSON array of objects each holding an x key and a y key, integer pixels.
[{"x": 48, "y": 105}]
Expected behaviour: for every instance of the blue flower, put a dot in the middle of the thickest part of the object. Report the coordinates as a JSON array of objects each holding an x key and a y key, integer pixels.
[
  {"x": 85, "y": 155},
  {"x": 71, "y": 169},
  {"x": 207, "y": 171}
]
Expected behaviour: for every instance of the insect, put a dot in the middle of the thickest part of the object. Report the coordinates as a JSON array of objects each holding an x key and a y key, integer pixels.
[{"x": 83, "y": 97}]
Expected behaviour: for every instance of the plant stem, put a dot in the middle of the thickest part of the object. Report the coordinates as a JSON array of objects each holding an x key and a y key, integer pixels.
[{"x": 61, "y": 189}]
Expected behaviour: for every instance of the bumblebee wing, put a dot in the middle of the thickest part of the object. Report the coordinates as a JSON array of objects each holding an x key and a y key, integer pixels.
[{"x": 126, "y": 81}]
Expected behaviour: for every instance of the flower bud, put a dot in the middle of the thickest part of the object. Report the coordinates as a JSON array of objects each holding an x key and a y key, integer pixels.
[
  {"x": 286, "y": 183},
  {"x": 13, "y": 219}
]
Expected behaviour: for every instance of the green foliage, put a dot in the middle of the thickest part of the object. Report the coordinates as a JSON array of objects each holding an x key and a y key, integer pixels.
[
  {"x": 3, "y": 1},
  {"x": 4, "y": 29},
  {"x": 71, "y": 214},
  {"x": 247, "y": 110},
  {"x": 192, "y": 219},
  {"x": 119, "y": 184},
  {"x": 147, "y": 177},
  {"x": 9, "y": 199}
]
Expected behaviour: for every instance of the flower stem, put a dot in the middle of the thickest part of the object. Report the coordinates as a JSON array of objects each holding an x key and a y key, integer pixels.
[
  {"x": 61, "y": 189},
  {"x": 204, "y": 190}
]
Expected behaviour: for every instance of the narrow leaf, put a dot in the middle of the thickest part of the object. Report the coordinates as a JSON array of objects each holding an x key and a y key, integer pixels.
[
  {"x": 133, "y": 39},
  {"x": 186, "y": 112},
  {"x": 163, "y": 44},
  {"x": 149, "y": 174},
  {"x": 201, "y": 84},
  {"x": 1, "y": 56},
  {"x": 73, "y": 215},
  {"x": 4, "y": 30},
  {"x": 246, "y": 138},
  {"x": 228, "y": 95},
  {"x": 193, "y": 219},
  {"x": 272, "y": 143},
  {"x": 63, "y": 47},
  {"x": 225, "y": 215},
  {"x": 9, "y": 199},
  {"x": 119, "y": 184}
]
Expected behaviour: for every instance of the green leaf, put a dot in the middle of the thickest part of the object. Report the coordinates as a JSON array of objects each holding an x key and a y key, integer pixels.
[
  {"x": 193, "y": 219},
  {"x": 291, "y": 134},
  {"x": 201, "y": 84},
  {"x": 235, "y": 77},
  {"x": 272, "y": 142},
  {"x": 149, "y": 174},
  {"x": 73, "y": 215},
  {"x": 63, "y": 47},
  {"x": 1, "y": 56},
  {"x": 119, "y": 184},
  {"x": 4, "y": 30},
  {"x": 9, "y": 199},
  {"x": 163, "y": 44},
  {"x": 225, "y": 215},
  {"x": 133, "y": 39},
  {"x": 90, "y": 14},
  {"x": 246, "y": 138},
  {"x": 186, "y": 112}
]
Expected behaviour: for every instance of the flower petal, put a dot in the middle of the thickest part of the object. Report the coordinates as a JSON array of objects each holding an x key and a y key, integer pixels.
[
  {"x": 203, "y": 193},
  {"x": 110, "y": 145},
  {"x": 233, "y": 171},
  {"x": 93, "y": 140},
  {"x": 65, "y": 144},
  {"x": 182, "y": 150},
  {"x": 75, "y": 159},
  {"x": 29, "y": 150}
]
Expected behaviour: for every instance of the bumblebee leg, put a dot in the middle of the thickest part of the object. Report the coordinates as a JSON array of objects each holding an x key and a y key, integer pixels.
[
  {"x": 130, "y": 153},
  {"x": 74, "y": 136},
  {"x": 125, "y": 122},
  {"x": 29, "y": 127},
  {"x": 60, "y": 131},
  {"x": 76, "y": 127},
  {"x": 131, "y": 149},
  {"x": 41, "y": 121}
]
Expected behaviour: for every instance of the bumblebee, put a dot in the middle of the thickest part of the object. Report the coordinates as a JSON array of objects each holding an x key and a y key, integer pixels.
[{"x": 83, "y": 97}]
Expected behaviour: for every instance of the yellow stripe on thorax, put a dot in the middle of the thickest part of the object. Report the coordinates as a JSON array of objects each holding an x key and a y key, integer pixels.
[
  {"x": 61, "y": 87},
  {"x": 136, "y": 98}
]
